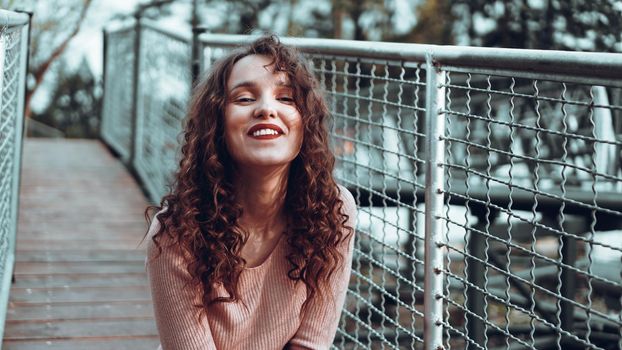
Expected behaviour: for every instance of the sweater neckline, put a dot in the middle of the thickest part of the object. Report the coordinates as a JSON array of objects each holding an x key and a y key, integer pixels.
[{"x": 269, "y": 257}]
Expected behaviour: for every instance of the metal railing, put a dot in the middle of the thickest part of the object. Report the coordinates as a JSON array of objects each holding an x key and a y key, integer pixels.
[
  {"x": 146, "y": 89},
  {"x": 13, "y": 62},
  {"x": 116, "y": 127},
  {"x": 487, "y": 182}
]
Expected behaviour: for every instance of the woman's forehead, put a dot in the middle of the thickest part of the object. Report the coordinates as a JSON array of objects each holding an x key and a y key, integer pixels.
[{"x": 256, "y": 69}]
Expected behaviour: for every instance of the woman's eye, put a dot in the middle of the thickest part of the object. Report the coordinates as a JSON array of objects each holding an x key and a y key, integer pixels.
[
  {"x": 286, "y": 99},
  {"x": 244, "y": 99}
]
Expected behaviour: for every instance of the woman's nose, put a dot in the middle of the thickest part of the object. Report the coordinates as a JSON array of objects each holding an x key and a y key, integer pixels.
[{"x": 265, "y": 109}]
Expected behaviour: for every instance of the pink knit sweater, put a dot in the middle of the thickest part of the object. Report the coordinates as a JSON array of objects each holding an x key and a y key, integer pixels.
[{"x": 268, "y": 316}]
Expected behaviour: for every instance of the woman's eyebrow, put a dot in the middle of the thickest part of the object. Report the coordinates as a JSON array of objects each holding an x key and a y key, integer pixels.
[
  {"x": 248, "y": 84},
  {"x": 252, "y": 84}
]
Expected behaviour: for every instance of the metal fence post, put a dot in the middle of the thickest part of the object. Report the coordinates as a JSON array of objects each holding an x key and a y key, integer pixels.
[
  {"x": 102, "y": 120},
  {"x": 434, "y": 180},
  {"x": 20, "y": 123},
  {"x": 196, "y": 54},
  {"x": 568, "y": 283},
  {"x": 135, "y": 87},
  {"x": 475, "y": 275},
  {"x": 18, "y": 134},
  {"x": 21, "y": 108}
]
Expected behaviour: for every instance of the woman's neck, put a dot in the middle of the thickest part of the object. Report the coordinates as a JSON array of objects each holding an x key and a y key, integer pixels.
[{"x": 261, "y": 193}]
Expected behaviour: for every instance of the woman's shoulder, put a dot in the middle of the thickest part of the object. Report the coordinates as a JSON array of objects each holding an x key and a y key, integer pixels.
[
  {"x": 349, "y": 204},
  {"x": 154, "y": 225},
  {"x": 163, "y": 243}
]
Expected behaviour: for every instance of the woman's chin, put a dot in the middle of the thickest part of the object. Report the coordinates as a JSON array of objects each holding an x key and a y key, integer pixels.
[{"x": 267, "y": 160}]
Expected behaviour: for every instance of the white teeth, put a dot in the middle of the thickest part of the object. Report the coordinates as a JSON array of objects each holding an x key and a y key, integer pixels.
[{"x": 262, "y": 132}]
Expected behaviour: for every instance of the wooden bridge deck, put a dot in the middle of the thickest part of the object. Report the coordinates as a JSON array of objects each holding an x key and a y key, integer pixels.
[{"x": 80, "y": 280}]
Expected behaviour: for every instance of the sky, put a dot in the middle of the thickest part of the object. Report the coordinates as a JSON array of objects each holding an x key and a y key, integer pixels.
[{"x": 88, "y": 43}]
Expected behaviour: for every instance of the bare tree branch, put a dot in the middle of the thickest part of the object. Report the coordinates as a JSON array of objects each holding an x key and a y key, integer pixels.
[{"x": 40, "y": 71}]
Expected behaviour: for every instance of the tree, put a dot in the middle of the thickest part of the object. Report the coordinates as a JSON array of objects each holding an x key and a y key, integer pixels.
[
  {"x": 7, "y": 4},
  {"x": 579, "y": 25},
  {"x": 367, "y": 19},
  {"x": 75, "y": 105},
  {"x": 434, "y": 24},
  {"x": 53, "y": 27}
]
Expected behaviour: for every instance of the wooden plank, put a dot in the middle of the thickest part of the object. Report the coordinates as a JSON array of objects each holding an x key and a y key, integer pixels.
[
  {"x": 36, "y": 195},
  {"x": 80, "y": 280},
  {"x": 106, "y": 267},
  {"x": 30, "y": 222},
  {"x": 80, "y": 294},
  {"x": 137, "y": 255},
  {"x": 136, "y": 224},
  {"x": 83, "y": 244},
  {"x": 143, "y": 343},
  {"x": 80, "y": 328},
  {"x": 112, "y": 236},
  {"x": 76, "y": 311},
  {"x": 70, "y": 214}
]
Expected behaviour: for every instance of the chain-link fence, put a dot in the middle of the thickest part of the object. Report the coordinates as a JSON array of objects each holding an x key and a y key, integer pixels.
[
  {"x": 487, "y": 184},
  {"x": 534, "y": 166},
  {"x": 145, "y": 99},
  {"x": 116, "y": 127},
  {"x": 162, "y": 94},
  {"x": 13, "y": 58}
]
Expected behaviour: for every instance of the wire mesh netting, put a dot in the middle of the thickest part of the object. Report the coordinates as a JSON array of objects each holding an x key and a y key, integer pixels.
[
  {"x": 117, "y": 112},
  {"x": 533, "y": 252},
  {"x": 163, "y": 93},
  {"x": 377, "y": 138},
  {"x": 10, "y": 46},
  {"x": 148, "y": 139},
  {"x": 529, "y": 225},
  {"x": 13, "y": 51}
]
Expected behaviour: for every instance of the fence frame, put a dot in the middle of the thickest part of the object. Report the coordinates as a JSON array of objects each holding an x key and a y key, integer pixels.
[
  {"x": 434, "y": 185},
  {"x": 572, "y": 67},
  {"x": 11, "y": 19}
]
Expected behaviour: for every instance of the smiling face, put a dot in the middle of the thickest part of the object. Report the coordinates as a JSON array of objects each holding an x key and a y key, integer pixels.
[{"x": 262, "y": 124}]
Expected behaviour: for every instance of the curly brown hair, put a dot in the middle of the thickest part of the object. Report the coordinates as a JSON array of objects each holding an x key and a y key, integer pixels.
[{"x": 201, "y": 213}]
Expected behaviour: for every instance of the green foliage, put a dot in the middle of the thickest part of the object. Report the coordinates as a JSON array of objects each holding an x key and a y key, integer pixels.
[
  {"x": 356, "y": 10},
  {"x": 7, "y": 4},
  {"x": 434, "y": 24},
  {"x": 578, "y": 25},
  {"x": 75, "y": 104},
  {"x": 582, "y": 25},
  {"x": 368, "y": 19}
]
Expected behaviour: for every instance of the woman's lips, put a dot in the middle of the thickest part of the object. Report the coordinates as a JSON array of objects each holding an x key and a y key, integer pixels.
[
  {"x": 266, "y": 137},
  {"x": 265, "y": 131}
]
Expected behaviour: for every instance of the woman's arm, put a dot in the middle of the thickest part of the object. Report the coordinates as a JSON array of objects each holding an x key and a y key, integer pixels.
[
  {"x": 319, "y": 322},
  {"x": 173, "y": 302}
]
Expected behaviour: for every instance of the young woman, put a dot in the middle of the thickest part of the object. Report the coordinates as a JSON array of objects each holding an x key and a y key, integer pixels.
[{"x": 252, "y": 248}]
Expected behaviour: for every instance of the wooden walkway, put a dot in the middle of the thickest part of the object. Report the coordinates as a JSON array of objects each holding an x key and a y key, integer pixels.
[{"x": 80, "y": 279}]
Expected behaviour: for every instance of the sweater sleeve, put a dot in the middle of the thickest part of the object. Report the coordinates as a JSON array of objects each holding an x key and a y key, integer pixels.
[
  {"x": 173, "y": 302},
  {"x": 319, "y": 321}
]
